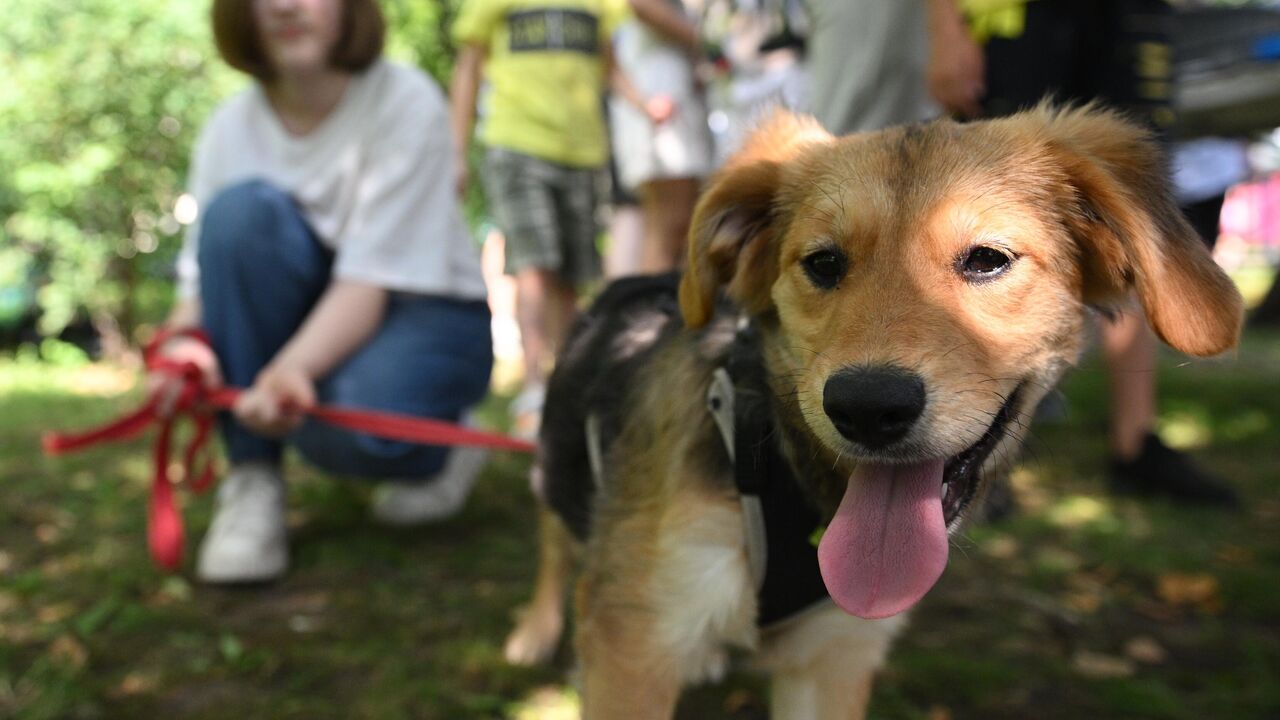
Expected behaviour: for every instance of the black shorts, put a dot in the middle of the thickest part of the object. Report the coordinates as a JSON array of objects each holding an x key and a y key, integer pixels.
[{"x": 1116, "y": 51}]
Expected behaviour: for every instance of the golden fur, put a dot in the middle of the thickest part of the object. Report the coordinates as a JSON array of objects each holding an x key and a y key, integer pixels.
[{"x": 1076, "y": 197}]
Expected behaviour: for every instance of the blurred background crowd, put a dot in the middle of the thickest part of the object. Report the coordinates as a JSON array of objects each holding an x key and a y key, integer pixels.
[{"x": 104, "y": 102}]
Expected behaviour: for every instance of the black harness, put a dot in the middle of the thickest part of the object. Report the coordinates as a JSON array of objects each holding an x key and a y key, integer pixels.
[{"x": 781, "y": 522}]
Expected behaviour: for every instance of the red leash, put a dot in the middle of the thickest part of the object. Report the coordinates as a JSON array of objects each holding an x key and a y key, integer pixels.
[{"x": 164, "y": 522}]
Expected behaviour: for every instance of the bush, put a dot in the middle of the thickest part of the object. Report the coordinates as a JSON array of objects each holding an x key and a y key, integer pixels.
[{"x": 100, "y": 107}]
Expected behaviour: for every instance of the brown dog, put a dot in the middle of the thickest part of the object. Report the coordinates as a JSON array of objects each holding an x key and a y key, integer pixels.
[{"x": 906, "y": 298}]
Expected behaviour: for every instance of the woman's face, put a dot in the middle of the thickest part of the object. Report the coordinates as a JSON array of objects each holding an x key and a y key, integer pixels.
[{"x": 298, "y": 35}]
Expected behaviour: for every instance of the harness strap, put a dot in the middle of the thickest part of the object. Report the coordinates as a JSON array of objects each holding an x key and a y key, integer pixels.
[
  {"x": 595, "y": 454},
  {"x": 779, "y": 519},
  {"x": 720, "y": 403}
]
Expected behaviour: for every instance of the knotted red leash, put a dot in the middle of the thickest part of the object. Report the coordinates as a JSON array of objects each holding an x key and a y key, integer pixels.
[{"x": 193, "y": 400}]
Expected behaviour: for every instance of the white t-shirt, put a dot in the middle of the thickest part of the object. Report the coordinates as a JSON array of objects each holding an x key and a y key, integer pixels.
[{"x": 374, "y": 180}]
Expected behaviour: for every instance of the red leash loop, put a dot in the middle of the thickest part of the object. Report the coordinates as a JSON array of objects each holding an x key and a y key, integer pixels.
[{"x": 165, "y": 535}]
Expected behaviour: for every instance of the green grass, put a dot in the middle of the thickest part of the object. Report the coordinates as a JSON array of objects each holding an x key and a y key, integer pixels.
[{"x": 1051, "y": 613}]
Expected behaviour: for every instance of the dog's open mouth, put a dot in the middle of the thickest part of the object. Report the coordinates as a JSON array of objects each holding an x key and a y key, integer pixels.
[
  {"x": 960, "y": 475},
  {"x": 887, "y": 544}
]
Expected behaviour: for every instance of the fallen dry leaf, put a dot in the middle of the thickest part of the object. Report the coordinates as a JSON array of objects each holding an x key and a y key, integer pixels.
[
  {"x": 1236, "y": 555},
  {"x": 55, "y": 613},
  {"x": 48, "y": 533},
  {"x": 1083, "y": 601},
  {"x": 1156, "y": 611},
  {"x": 1099, "y": 666},
  {"x": 137, "y": 682},
  {"x": 1145, "y": 649},
  {"x": 66, "y": 650},
  {"x": 1198, "y": 589}
]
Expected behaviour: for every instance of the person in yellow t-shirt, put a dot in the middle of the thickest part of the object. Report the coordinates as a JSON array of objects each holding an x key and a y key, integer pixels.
[{"x": 546, "y": 65}]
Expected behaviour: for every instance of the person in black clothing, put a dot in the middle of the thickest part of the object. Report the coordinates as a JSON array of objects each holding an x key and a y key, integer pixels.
[{"x": 1003, "y": 57}]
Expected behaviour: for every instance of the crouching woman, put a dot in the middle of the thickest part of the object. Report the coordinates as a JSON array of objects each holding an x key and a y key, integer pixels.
[{"x": 330, "y": 262}]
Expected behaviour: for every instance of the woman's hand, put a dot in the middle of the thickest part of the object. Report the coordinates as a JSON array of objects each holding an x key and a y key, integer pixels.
[
  {"x": 182, "y": 349},
  {"x": 346, "y": 316},
  {"x": 277, "y": 403}
]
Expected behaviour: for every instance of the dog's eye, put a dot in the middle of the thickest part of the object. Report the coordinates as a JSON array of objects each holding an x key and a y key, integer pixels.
[
  {"x": 825, "y": 267},
  {"x": 983, "y": 263}
]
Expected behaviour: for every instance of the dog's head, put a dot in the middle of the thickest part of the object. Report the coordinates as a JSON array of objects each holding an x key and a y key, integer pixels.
[{"x": 925, "y": 286}]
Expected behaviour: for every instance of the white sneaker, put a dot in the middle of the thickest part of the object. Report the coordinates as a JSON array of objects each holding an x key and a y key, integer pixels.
[
  {"x": 415, "y": 502},
  {"x": 246, "y": 541}
]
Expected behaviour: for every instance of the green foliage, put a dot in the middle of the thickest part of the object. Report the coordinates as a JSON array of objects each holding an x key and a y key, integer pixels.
[
  {"x": 101, "y": 103},
  {"x": 62, "y": 354},
  {"x": 419, "y": 33}
]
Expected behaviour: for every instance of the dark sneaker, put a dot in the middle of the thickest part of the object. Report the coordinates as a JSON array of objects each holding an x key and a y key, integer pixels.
[{"x": 1159, "y": 470}]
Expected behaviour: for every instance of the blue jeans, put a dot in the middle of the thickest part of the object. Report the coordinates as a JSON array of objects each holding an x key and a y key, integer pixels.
[{"x": 262, "y": 270}]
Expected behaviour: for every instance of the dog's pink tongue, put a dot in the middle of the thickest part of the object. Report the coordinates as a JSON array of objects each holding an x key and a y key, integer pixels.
[{"x": 887, "y": 544}]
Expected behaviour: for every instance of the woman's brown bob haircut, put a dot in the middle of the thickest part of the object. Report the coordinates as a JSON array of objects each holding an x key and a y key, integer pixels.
[{"x": 237, "y": 37}]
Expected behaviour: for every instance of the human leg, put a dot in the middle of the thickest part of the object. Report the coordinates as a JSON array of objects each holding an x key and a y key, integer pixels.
[
  {"x": 1129, "y": 350},
  {"x": 539, "y": 294},
  {"x": 626, "y": 241},
  {"x": 525, "y": 194},
  {"x": 548, "y": 214},
  {"x": 668, "y": 210},
  {"x": 430, "y": 358},
  {"x": 261, "y": 271},
  {"x": 545, "y": 309},
  {"x": 1141, "y": 463}
]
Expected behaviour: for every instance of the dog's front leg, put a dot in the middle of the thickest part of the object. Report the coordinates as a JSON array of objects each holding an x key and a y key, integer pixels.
[
  {"x": 823, "y": 665},
  {"x": 535, "y": 637},
  {"x": 624, "y": 677},
  {"x": 821, "y": 693},
  {"x": 625, "y": 674}
]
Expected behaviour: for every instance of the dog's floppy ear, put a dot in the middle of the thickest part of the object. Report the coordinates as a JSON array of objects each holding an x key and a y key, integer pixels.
[
  {"x": 1133, "y": 235},
  {"x": 732, "y": 239}
]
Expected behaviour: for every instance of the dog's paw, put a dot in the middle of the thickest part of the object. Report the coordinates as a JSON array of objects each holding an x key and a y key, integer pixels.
[{"x": 534, "y": 640}]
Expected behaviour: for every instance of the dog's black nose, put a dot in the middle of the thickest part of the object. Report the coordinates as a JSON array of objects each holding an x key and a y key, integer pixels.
[{"x": 873, "y": 406}]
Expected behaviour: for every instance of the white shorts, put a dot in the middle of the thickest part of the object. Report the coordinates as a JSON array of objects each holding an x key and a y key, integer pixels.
[{"x": 677, "y": 148}]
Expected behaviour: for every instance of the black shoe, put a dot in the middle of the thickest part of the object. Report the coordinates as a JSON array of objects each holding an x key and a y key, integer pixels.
[{"x": 1161, "y": 470}]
